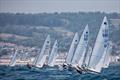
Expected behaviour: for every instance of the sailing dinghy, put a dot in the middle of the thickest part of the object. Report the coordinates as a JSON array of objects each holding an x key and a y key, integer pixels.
[
  {"x": 100, "y": 49},
  {"x": 81, "y": 49},
  {"x": 72, "y": 49},
  {"x": 41, "y": 58}
]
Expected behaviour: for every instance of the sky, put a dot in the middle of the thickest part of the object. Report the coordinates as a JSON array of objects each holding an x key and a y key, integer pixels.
[{"x": 50, "y": 6}]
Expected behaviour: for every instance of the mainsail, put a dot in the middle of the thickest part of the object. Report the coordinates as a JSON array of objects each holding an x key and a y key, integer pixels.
[
  {"x": 100, "y": 48},
  {"x": 40, "y": 60},
  {"x": 13, "y": 61},
  {"x": 53, "y": 54},
  {"x": 72, "y": 48},
  {"x": 81, "y": 48}
]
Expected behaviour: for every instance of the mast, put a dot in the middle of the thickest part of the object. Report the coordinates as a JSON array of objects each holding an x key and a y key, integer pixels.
[
  {"x": 72, "y": 48},
  {"x": 53, "y": 54},
  {"x": 81, "y": 48},
  {"x": 40, "y": 60},
  {"x": 101, "y": 44}
]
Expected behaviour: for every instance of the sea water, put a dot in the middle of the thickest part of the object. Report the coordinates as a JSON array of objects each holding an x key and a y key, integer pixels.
[{"x": 24, "y": 73}]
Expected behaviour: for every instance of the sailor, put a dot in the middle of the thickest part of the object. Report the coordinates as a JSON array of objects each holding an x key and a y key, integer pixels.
[
  {"x": 29, "y": 66},
  {"x": 64, "y": 66},
  {"x": 78, "y": 69}
]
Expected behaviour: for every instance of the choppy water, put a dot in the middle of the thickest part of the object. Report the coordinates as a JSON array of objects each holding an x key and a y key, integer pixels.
[{"x": 23, "y": 73}]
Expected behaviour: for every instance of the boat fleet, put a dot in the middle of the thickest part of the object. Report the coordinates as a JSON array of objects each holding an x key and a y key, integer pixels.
[{"x": 80, "y": 55}]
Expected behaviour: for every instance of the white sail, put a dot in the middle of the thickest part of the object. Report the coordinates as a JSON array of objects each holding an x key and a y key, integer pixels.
[
  {"x": 42, "y": 61},
  {"x": 81, "y": 48},
  {"x": 100, "y": 64},
  {"x": 34, "y": 61},
  {"x": 107, "y": 57},
  {"x": 87, "y": 57},
  {"x": 101, "y": 44},
  {"x": 53, "y": 54},
  {"x": 104, "y": 61},
  {"x": 72, "y": 48},
  {"x": 13, "y": 61},
  {"x": 43, "y": 54}
]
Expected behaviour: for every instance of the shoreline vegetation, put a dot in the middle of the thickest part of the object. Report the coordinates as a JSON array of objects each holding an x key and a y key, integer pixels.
[{"x": 30, "y": 30}]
